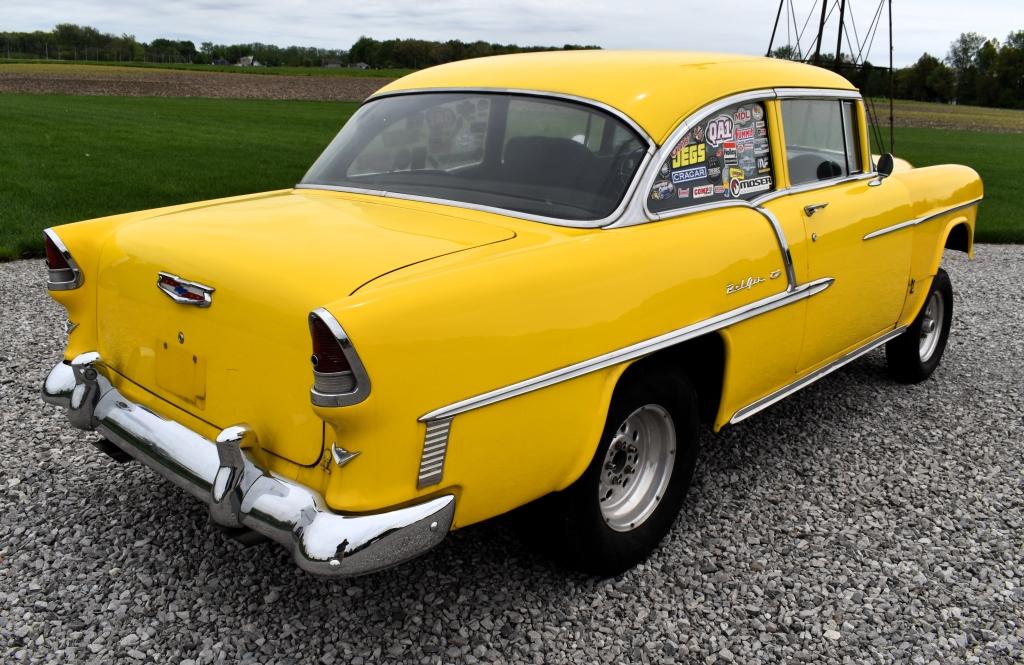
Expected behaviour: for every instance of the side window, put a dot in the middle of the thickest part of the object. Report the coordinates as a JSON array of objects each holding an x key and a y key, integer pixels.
[
  {"x": 726, "y": 155},
  {"x": 822, "y": 139}
]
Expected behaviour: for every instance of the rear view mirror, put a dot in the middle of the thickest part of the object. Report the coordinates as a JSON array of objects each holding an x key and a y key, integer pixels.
[{"x": 883, "y": 169}]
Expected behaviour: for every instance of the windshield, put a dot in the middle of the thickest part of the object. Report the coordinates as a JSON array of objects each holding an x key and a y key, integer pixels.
[{"x": 533, "y": 155}]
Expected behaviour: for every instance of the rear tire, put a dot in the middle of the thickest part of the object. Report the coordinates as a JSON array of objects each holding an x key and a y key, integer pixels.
[
  {"x": 622, "y": 506},
  {"x": 914, "y": 355}
]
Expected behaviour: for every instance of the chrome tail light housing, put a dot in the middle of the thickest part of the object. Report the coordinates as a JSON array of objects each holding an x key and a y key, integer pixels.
[
  {"x": 63, "y": 273},
  {"x": 339, "y": 378}
]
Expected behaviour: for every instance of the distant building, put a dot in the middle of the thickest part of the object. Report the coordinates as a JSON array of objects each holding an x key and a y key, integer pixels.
[
  {"x": 332, "y": 64},
  {"x": 359, "y": 65},
  {"x": 249, "y": 61}
]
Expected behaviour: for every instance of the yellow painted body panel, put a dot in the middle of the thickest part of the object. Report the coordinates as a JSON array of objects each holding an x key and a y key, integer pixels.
[{"x": 443, "y": 303}]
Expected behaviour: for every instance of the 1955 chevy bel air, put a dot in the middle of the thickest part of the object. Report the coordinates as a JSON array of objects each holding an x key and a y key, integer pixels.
[{"x": 524, "y": 278}]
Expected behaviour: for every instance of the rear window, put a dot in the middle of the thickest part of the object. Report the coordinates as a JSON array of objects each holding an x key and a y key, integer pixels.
[{"x": 534, "y": 155}]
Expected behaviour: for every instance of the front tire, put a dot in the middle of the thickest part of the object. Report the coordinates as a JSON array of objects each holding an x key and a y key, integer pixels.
[
  {"x": 914, "y": 355},
  {"x": 622, "y": 506}
]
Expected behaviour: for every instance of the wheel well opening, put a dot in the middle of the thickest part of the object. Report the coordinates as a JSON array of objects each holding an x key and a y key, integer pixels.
[
  {"x": 959, "y": 238},
  {"x": 700, "y": 360}
]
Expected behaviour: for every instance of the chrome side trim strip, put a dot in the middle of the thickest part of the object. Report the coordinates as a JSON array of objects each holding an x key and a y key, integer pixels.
[
  {"x": 633, "y": 351},
  {"x": 362, "y": 388},
  {"x": 435, "y": 450},
  {"x": 780, "y": 237},
  {"x": 53, "y": 281},
  {"x": 921, "y": 220},
  {"x": 808, "y": 379}
]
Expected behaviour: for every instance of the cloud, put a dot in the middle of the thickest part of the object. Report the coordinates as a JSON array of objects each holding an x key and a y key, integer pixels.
[{"x": 742, "y": 26}]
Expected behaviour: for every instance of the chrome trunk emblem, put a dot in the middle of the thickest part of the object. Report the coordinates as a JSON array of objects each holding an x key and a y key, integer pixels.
[{"x": 183, "y": 291}]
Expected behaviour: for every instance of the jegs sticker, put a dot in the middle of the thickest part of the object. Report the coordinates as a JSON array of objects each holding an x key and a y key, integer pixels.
[
  {"x": 688, "y": 156},
  {"x": 741, "y": 187},
  {"x": 718, "y": 130},
  {"x": 696, "y": 173},
  {"x": 703, "y": 191}
]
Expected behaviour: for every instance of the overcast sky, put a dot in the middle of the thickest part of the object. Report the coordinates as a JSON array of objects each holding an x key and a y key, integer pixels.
[{"x": 707, "y": 25}]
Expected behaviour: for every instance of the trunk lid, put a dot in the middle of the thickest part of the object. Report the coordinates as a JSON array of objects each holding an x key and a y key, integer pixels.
[{"x": 270, "y": 260}]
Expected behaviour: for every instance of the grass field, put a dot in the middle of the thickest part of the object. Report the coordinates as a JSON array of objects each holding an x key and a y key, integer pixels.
[
  {"x": 995, "y": 156},
  {"x": 947, "y": 116},
  {"x": 67, "y": 158},
  {"x": 230, "y": 69}
]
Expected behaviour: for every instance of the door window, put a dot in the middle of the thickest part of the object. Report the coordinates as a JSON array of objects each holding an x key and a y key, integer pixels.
[
  {"x": 725, "y": 155},
  {"x": 821, "y": 139}
]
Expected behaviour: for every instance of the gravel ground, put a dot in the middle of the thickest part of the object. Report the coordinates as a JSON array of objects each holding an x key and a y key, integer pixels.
[
  {"x": 174, "y": 83},
  {"x": 859, "y": 521}
]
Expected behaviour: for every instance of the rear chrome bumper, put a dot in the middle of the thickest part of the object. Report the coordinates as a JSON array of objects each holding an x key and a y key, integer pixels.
[{"x": 239, "y": 492}]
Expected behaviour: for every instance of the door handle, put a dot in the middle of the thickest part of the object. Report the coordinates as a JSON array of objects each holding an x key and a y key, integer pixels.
[{"x": 813, "y": 208}]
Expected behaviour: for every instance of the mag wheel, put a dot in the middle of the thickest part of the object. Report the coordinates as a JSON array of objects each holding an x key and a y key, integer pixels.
[{"x": 624, "y": 503}]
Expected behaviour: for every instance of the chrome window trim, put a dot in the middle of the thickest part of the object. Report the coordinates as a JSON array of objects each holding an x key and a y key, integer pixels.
[
  {"x": 77, "y": 277},
  {"x": 620, "y": 209},
  {"x": 806, "y": 380},
  {"x": 921, "y": 220},
  {"x": 817, "y": 93},
  {"x": 633, "y": 351},
  {"x": 362, "y": 388}
]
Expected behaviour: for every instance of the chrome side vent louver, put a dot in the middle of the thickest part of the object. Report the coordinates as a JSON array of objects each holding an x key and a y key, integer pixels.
[{"x": 435, "y": 449}]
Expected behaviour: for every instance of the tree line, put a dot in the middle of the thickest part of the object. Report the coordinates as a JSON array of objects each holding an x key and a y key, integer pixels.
[
  {"x": 976, "y": 70},
  {"x": 68, "y": 41}
]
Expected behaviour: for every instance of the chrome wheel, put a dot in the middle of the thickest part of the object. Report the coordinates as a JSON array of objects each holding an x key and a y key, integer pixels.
[
  {"x": 931, "y": 325},
  {"x": 637, "y": 467}
]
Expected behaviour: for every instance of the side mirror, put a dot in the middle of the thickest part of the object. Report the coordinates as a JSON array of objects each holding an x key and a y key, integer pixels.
[{"x": 883, "y": 169}]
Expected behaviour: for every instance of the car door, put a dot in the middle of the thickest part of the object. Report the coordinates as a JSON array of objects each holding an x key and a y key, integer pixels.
[{"x": 839, "y": 203}]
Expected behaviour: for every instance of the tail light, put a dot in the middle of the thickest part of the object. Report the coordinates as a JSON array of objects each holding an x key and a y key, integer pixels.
[
  {"x": 339, "y": 378},
  {"x": 63, "y": 272}
]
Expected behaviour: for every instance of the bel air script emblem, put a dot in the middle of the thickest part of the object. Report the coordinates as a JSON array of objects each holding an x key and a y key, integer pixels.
[{"x": 183, "y": 291}]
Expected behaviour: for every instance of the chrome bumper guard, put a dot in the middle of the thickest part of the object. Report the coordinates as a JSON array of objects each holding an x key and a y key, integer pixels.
[{"x": 239, "y": 492}]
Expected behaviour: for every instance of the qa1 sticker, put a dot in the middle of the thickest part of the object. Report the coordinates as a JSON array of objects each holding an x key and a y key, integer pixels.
[{"x": 718, "y": 130}]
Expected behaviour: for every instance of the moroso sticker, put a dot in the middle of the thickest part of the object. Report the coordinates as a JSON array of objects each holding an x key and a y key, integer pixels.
[
  {"x": 762, "y": 164},
  {"x": 740, "y": 187},
  {"x": 683, "y": 193},
  {"x": 688, "y": 156},
  {"x": 742, "y": 115},
  {"x": 718, "y": 130},
  {"x": 703, "y": 191},
  {"x": 662, "y": 191},
  {"x": 758, "y": 112},
  {"x": 744, "y": 133},
  {"x": 685, "y": 175}
]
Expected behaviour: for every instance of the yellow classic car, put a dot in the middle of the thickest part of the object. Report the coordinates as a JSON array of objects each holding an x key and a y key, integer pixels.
[{"x": 524, "y": 280}]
